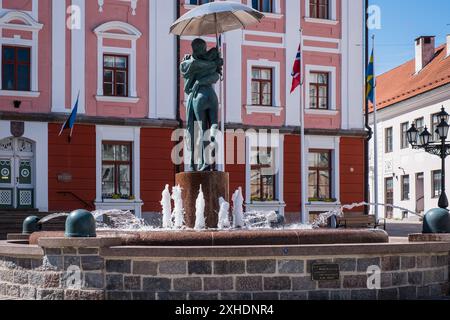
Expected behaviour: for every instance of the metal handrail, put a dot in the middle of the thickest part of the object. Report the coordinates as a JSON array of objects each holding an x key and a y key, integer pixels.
[{"x": 86, "y": 204}]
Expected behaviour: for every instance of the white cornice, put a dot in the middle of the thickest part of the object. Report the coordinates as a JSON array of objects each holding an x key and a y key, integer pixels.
[{"x": 29, "y": 23}]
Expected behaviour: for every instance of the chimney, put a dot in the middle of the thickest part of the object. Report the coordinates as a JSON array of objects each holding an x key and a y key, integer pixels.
[
  {"x": 448, "y": 45},
  {"x": 425, "y": 51}
]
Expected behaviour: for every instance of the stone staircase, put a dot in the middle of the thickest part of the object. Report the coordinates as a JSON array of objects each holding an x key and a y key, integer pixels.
[{"x": 11, "y": 221}]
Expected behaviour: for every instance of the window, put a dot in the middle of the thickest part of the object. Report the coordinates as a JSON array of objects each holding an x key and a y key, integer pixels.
[
  {"x": 420, "y": 124},
  {"x": 16, "y": 68},
  {"x": 319, "y": 91},
  {"x": 436, "y": 184},
  {"x": 116, "y": 170},
  {"x": 263, "y": 179},
  {"x": 435, "y": 121},
  {"x": 319, "y": 181},
  {"x": 115, "y": 75},
  {"x": 262, "y": 86},
  {"x": 389, "y": 140},
  {"x": 404, "y": 127},
  {"x": 199, "y": 2},
  {"x": 319, "y": 9},
  {"x": 405, "y": 188},
  {"x": 263, "y": 5}
]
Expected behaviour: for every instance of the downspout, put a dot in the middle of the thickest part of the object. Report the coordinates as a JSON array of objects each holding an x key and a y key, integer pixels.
[{"x": 368, "y": 128}]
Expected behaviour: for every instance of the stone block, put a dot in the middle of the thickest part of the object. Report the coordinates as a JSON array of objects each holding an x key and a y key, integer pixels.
[
  {"x": 235, "y": 296},
  {"x": 92, "y": 263},
  {"x": 118, "y": 266},
  {"x": 277, "y": 284},
  {"x": 114, "y": 282},
  {"x": 156, "y": 284},
  {"x": 145, "y": 268},
  {"x": 303, "y": 284},
  {"x": 198, "y": 296},
  {"x": 118, "y": 295},
  {"x": 407, "y": 293},
  {"x": 346, "y": 265},
  {"x": 173, "y": 267},
  {"x": 169, "y": 296},
  {"x": 132, "y": 283},
  {"x": 94, "y": 280},
  {"x": 218, "y": 284},
  {"x": 200, "y": 267},
  {"x": 293, "y": 296},
  {"x": 50, "y": 294},
  {"x": 407, "y": 263},
  {"x": 266, "y": 296},
  {"x": 229, "y": 267},
  {"x": 249, "y": 284},
  {"x": 144, "y": 296},
  {"x": 261, "y": 266},
  {"x": 390, "y": 263},
  {"x": 291, "y": 266},
  {"x": 415, "y": 278},
  {"x": 187, "y": 284},
  {"x": 319, "y": 295},
  {"x": 364, "y": 263},
  {"x": 355, "y": 282},
  {"x": 388, "y": 294},
  {"x": 364, "y": 294}
]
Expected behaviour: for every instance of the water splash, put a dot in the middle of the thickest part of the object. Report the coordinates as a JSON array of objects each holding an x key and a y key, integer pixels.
[
  {"x": 178, "y": 211},
  {"x": 224, "y": 215},
  {"x": 52, "y": 217},
  {"x": 167, "y": 208},
  {"x": 238, "y": 210},
  {"x": 118, "y": 220},
  {"x": 200, "y": 223}
]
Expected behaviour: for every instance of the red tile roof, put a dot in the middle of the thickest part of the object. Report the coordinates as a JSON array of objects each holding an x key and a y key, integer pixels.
[{"x": 402, "y": 83}]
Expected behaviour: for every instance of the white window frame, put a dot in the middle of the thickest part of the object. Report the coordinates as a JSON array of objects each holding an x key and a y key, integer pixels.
[
  {"x": 121, "y": 134},
  {"x": 333, "y": 14},
  {"x": 276, "y": 107},
  {"x": 130, "y": 34},
  {"x": 277, "y": 144},
  {"x": 325, "y": 143},
  {"x": 276, "y": 9},
  {"x": 30, "y": 25},
  {"x": 332, "y": 93}
]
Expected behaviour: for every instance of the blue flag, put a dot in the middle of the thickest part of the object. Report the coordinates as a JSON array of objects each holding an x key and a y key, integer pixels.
[
  {"x": 70, "y": 123},
  {"x": 370, "y": 80}
]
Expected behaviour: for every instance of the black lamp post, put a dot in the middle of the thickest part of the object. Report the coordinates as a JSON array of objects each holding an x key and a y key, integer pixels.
[
  {"x": 436, "y": 220},
  {"x": 441, "y": 149}
]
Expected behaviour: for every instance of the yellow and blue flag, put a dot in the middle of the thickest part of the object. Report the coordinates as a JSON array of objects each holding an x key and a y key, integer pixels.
[{"x": 370, "y": 80}]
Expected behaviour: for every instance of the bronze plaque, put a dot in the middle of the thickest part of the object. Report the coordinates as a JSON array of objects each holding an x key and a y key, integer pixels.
[
  {"x": 325, "y": 272},
  {"x": 17, "y": 129}
]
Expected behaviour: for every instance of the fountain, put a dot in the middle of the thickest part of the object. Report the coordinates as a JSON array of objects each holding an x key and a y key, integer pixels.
[
  {"x": 167, "y": 208},
  {"x": 178, "y": 211},
  {"x": 200, "y": 222},
  {"x": 224, "y": 215},
  {"x": 238, "y": 211}
]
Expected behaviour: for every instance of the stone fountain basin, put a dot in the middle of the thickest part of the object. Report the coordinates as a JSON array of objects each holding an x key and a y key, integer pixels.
[{"x": 234, "y": 238}]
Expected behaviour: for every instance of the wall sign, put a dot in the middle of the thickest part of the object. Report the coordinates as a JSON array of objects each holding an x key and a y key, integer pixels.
[{"x": 325, "y": 272}]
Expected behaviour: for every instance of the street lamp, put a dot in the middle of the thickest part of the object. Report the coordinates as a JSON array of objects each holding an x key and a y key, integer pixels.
[{"x": 439, "y": 220}]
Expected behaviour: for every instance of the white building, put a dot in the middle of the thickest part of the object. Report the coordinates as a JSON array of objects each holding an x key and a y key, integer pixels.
[{"x": 412, "y": 92}]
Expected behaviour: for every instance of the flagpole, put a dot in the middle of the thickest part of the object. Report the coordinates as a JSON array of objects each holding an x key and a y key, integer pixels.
[
  {"x": 304, "y": 216},
  {"x": 375, "y": 136}
]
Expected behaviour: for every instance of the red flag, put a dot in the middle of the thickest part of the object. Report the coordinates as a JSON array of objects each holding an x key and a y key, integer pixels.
[{"x": 296, "y": 72}]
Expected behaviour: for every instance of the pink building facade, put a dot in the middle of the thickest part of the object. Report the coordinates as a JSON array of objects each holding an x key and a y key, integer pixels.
[{"x": 118, "y": 57}]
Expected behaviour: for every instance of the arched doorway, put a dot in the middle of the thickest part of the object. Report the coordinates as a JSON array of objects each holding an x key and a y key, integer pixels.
[{"x": 17, "y": 177}]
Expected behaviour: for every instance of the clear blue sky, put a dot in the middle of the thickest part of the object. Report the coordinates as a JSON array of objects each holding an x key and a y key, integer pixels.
[{"x": 404, "y": 20}]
